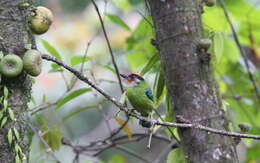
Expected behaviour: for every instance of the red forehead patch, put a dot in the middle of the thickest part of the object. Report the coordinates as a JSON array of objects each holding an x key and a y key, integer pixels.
[{"x": 136, "y": 76}]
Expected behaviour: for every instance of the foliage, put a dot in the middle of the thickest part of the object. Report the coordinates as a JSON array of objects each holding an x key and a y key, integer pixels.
[{"x": 239, "y": 98}]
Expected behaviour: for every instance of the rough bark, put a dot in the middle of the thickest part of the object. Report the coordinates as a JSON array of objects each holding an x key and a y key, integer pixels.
[
  {"x": 13, "y": 38},
  {"x": 190, "y": 80}
]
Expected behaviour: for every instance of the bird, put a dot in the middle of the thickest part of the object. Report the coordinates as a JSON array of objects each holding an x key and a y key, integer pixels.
[{"x": 140, "y": 96}]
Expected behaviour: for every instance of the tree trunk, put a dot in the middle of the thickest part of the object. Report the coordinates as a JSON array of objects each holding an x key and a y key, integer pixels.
[
  {"x": 190, "y": 80},
  {"x": 13, "y": 38}
]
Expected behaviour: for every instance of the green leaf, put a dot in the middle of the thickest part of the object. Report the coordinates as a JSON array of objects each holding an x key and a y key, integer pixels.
[
  {"x": 116, "y": 158},
  {"x": 56, "y": 70},
  {"x": 138, "y": 45},
  {"x": 53, "y": 138},
  {"x": 176, "y": 156},
  {"x": 123, "y": 98},
  {"x": 17, "y": 148},
  {"x": 117, "y": 20},
  {"x": 10, "y": 136},
  {"x": 29, "y": 135},
  {"x": 218, "y": 45},
  {"x": 169, "y": 116},
  {"x": 3, "y": 122},
  {"x": 209, "y": 17},
  {"x": 79, "y": 59},
  {"x": 253, "y": 153},
  {"x": 5, "y": 104},
  {"x": 51, "y": 49},
  {"x": 160, "y": 87},
  {"x": 71, "y": 96},
  {"x": 6, "y": 92},
  {"x": 17, "y": 159},
  {"x": 1, "y": 114},
  {"x": 126, "y": 128},
  {"x": 11, "y": 114},
  {"x": 70, "y": 114},
  {"x": 55, "y": 66},
  {"x": 16, "y": 133},
  {"x": 41, "y": 120},
  {"x": 110, "y": 69},
  {"x": 153, "y": 60},
  {"x": 136, "y": 59},
  {"x": 122, "y": 4}
]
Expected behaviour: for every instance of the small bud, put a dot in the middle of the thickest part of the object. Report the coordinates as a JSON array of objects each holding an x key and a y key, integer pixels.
[
  {"x": 244, "y": 127},
  {"x": 24, "y": 5},
  {"x": 210, "y": 3},
  {"x": 204, "y": 43}
]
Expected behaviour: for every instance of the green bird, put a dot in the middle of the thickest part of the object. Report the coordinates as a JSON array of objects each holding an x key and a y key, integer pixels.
[{"x": 140, "y": 96}]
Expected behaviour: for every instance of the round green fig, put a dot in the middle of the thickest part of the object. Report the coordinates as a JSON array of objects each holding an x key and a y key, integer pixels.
[
  {"x": 32, "y": 62},
  {"x": 40, "y": 20},
  {"x": 11, "y": 65}
]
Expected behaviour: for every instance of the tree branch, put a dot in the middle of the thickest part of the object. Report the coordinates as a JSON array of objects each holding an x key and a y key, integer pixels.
[
  {"x": 132, "y": 153},
  {"x": 109, "y": 46},
  {"x": 48, "y": 148},
  {"x": 84, "y": 78}
]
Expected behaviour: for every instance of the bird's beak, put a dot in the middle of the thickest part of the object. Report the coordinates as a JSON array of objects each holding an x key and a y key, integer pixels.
[{"x": 124, "y": 76}]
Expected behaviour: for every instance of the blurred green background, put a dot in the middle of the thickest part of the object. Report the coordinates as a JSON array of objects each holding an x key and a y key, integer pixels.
[{"x": 76, "y": 29}]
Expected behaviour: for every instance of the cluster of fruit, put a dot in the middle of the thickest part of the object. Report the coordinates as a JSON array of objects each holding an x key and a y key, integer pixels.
[{"x": 11, "y": 65}]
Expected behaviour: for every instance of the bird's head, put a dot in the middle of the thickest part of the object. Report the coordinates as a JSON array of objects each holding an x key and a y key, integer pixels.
[{"x": 133, "y": 79}]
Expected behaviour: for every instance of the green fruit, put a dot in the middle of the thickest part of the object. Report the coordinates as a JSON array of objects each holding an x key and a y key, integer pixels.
[
  {"x": 11, "y": 65},
  {"x": 32, "y": 62},
  {"x": 41, "y": 20}
]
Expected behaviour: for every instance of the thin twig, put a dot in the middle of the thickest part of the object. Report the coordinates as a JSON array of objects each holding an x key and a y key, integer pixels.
[
  {"x": 74, "y": 79},
  {"x": 109, "y": 46},
  {"x": 65, "y": 80},
  {"x": 118, "y": 130},
  {"x": 156, "y": 136},
  {"x": 168, "y": 128},
  {"x": 240, "y": 104},
  {"x": 99, "y": 107},
  {"x": 144, "y": 17},
  {"x": 250, "y": 75},
  {"x": 84, "y": 78},
  {"x": 164, "y": 152},
  {"x": 132, "y": 153},
  {"x": 101, "y": 145},
  {"x": 41, "y": 107},
  {"x": 48, "y": 148}
]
